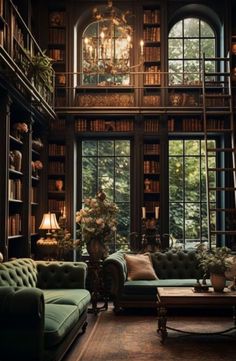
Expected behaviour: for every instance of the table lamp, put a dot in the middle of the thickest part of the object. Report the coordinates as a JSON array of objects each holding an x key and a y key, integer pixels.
[{"x": 48, "y": 245}]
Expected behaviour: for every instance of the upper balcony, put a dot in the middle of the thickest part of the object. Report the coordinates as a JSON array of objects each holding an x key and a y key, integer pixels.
[{"x": 22, "y": 60}]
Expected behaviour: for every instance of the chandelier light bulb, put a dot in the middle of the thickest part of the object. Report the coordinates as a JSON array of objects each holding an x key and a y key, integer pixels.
[{"x": 141, "y": 46}]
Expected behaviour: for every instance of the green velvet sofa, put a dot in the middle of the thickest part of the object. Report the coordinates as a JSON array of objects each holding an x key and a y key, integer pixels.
[
  {"x": 43, "y": 307},
  {"x": 173, "y": 269}
]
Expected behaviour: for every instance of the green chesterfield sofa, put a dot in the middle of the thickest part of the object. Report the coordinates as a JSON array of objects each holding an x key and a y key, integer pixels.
[
  {"x": 173, "y": 269},
  {"x": 43, "y": 307}
]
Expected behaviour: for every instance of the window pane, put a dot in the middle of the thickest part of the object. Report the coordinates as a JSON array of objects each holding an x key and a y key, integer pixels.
[
  {"x": 191, "y": 48},
  {"x": 105, "y": 147},
  {"x": 175, "y": 147},
  {"x": 176, "y": 70},
  {"x": 177, "y": 30},
  {"x": 89, "y": 177},
  {"x": 176, "y": 178},
  {"x": 192, "y": 147},
  {"x": 206, "y": 30},
  {"x": 192, "y": 219},
  {"x": 106, "y": 175},
  {"x": 122, "y": 147},
  {"x": 208, "y": 47},
  {"x": 192, "y": 179},
  {"x": 89, "y": 148},
  {"x": 176, "y": 220},
  {"x": 122, "y": 185},
  {"x": 191, "y": 70},
  {"x": 176, "y": 49},
  {"x": 191, "y": 27}
]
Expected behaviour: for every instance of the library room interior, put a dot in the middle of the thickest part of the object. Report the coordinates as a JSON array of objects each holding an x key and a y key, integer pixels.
[{"x": 118, "y": 180}]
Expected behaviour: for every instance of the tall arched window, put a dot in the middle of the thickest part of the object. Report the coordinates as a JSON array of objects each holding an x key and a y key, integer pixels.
[
  {"x": 105, "y": 54},
  {"x": 188, "y": 40}
]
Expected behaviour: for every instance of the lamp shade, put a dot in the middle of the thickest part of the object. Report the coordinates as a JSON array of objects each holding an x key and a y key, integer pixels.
[{"x": 49, "y": 221}]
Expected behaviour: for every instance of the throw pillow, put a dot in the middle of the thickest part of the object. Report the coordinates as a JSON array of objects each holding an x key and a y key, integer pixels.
[{"x": 140, "y": 267}]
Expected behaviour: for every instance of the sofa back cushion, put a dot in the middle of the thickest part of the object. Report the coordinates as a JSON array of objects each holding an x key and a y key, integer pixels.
[
  {"x": 176, "y": 265},
  {"x": 21, "y": 272}
]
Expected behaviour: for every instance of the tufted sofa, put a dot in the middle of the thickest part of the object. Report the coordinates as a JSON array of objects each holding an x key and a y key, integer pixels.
[
  {"x": 173, "y": 269},
  {"x": 43, "y": 307}
]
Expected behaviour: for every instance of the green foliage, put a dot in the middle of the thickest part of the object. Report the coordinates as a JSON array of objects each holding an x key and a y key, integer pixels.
[{"x": 214, "y": 261}]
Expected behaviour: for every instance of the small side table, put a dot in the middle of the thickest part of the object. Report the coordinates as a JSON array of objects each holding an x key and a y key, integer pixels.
[{"x": 96, "y": 286}]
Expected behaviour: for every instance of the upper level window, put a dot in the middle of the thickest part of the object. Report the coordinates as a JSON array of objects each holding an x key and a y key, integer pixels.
[
  {"x": 188, "y": 40},
  {"x": 106, "y": 54}
]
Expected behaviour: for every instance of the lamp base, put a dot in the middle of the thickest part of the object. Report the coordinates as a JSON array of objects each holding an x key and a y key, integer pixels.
[{"x": 48, "y": 248}]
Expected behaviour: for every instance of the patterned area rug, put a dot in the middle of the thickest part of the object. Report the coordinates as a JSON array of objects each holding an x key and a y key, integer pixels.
[{"x": 134, "y": 337}]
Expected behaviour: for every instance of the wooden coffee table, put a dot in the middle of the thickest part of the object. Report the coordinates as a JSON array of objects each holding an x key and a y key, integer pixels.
[{"x": 168, "y": 297}]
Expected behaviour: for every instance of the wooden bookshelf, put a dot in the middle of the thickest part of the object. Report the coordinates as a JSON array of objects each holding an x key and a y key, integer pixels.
[{"x": 104, "y": 125}]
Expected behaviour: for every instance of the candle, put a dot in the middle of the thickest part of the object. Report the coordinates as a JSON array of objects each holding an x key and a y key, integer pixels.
[
  {"x": 143, "y": 212},
  {"x": 156, "y": 212},
  {"x": 141, "y": 46}
]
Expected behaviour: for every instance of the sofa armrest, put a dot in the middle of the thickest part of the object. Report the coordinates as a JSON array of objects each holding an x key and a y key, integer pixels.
[
  {"x": 61, "y": 275},
  {"x": 115, "y": 273},
  {"x": 21, "y": 323}
]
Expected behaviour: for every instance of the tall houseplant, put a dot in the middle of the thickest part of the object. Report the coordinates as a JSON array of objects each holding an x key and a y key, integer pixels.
[
  {"x": 97, "y": 224},
  {"x": 215, "y": 262}
]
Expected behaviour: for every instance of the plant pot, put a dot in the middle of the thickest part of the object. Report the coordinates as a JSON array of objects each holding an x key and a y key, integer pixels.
[
  {"x": 96, "y": 249},
  {"x": 218, "y": 282}
]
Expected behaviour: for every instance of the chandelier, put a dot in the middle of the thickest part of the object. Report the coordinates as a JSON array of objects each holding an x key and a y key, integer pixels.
[{"x": 107, "y": 42}]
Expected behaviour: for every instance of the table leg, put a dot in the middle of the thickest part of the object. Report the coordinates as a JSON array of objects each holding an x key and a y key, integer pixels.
[{"x": 162, "y": 319}]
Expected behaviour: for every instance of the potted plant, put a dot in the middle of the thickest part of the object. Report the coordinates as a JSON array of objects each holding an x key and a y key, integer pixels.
[
  {"x": 215, "y": 262},
  {"x": 41, "y": 71},
  {"x": 97, "y": 224}
]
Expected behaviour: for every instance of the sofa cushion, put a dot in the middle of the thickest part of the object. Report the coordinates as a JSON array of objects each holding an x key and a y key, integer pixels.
[
  {"x": 74, "y": 297},
  {"x": 150, "y": 287},
  {"x": 140, "y": 267},
  {"x": 59, "y": 319},
  {"x": 21, "y": 272}
]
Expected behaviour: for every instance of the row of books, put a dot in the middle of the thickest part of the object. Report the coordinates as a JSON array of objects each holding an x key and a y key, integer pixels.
[
  {"x": 151, "y": 185},
  {"x": 57, "y": 36},
  {"x": 56, "y": 168},
  {"x": 15, "y": 189},
  {"x": 60, "y": 100},
  {"x": 151, "y": 34},
  {"x": 151, "y": 167},
  {"x": 58, "y": 124},
  {"x": 152, "y": 100},
  {"x": 57, "y": 54},
  {"x": 152, "y": 53},
  {"x": 153, "y": 148},
  {"x": 152, "y": 75},
  {"x": 56, "y": 149},
  {"x": 14, "y": 224},
  {"x": 151, "y": 126},
  {"x": 151, "y": 16},
  {"x": 102, "y": 125},
  {"x": 194, "y": 125},
  {"x": 56, "y": 205}
]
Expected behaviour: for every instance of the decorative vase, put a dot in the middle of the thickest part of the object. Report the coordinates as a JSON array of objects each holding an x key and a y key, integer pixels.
[
  {"x": 218, "y": 282},
  {"x": 59, "y": 185},
  {"x": 17, "y": 160},
  {"x": 96, "y": 249}
]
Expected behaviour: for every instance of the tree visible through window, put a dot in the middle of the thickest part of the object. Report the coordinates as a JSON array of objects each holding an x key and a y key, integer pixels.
[
  {"x": 187, "y": 190},
  {"x": 106, "y": 165},
  {"x": 188, "y": 40}
]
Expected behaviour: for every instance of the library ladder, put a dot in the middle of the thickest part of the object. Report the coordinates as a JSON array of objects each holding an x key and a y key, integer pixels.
[{"x": 218, "y": 121}]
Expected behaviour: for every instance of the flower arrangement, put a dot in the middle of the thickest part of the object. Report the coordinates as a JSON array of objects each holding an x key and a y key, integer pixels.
[
  {"x": 97, "y": 220},
  {"x": 215, "y": 261}
]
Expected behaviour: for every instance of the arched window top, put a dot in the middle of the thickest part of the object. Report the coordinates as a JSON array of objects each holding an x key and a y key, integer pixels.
[
  {"x": 188, "y": 39},
  {"x": 105, "y": 53},
  {"x": 191, "y": 28}
]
